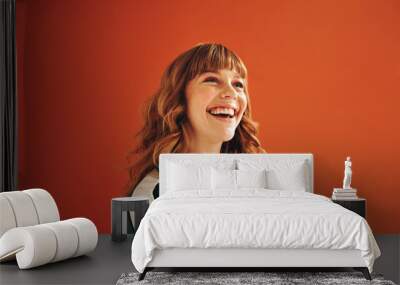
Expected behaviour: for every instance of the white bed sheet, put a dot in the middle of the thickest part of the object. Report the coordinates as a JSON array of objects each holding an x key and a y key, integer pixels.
[{"x": 250, "y": 218}]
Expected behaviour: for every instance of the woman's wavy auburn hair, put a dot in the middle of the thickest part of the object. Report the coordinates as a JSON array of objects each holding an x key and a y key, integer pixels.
[{"x": 166, "y": 124}]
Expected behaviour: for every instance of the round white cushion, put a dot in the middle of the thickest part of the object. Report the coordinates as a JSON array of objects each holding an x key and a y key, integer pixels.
[
  {"x": 7, "y": 219},
  {"x": 23, "y": 208},
  {"x": 45, "y": 205},
  {"x": 67, "y": 240},
  {"x": 87, "y": 234}
]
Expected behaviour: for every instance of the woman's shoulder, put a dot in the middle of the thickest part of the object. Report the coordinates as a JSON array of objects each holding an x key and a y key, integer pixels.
[
  {"x": 153, "y": 174},
  {"x": 147, "y": 184}
]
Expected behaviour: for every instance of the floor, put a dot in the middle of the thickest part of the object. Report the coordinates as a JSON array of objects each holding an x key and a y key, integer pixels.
[
  {"x": 110, "y": 260},
  {"x": 389, "y": 262}
]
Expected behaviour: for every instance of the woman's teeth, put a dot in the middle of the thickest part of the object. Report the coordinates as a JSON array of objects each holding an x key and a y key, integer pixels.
[{"x": 223, "y": 112}]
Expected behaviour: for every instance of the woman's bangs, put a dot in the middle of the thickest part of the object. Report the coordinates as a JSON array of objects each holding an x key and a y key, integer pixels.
[{"x": 211, "y": 58}]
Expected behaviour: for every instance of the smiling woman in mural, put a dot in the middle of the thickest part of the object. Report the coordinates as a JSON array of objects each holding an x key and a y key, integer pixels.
[{"x": 202, "y": 106}]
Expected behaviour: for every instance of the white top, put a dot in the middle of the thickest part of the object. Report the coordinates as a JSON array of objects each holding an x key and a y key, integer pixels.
[
  {"x": 146, "y": 186},
  {"x": 145, "y": 189}
]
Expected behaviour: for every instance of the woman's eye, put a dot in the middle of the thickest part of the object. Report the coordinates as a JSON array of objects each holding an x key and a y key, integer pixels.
[
  {"x": 239, "y": 84},
  {"x": 211, "y": 79}
]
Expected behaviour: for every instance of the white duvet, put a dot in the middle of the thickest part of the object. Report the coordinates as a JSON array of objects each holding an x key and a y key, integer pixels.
[{"x": 250, "y": 218}]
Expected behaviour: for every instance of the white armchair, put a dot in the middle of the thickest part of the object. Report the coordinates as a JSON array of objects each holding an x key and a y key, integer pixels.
[{"x": 31, "y": 230}]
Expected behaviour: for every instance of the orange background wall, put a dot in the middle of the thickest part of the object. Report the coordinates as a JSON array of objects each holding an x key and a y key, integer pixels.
[{"x": 324, "y": 78}]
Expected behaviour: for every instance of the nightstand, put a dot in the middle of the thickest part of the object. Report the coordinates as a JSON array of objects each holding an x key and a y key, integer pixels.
[
  {"x": 357, "y": 205},
  {"x": 120, "y": 222}
]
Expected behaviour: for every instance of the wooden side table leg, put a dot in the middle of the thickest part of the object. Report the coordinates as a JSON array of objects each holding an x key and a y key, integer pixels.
[{"x": 116, "y": 222}]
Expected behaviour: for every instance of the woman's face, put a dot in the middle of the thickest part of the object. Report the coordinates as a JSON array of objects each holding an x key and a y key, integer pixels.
[{"x": 216, "y": 102}]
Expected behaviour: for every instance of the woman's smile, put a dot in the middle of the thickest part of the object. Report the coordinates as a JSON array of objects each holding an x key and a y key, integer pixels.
[{"x": 216, "y": 102}]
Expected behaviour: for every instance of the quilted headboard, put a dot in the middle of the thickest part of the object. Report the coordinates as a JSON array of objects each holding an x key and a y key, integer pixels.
[{"x": 230, "y": 160}]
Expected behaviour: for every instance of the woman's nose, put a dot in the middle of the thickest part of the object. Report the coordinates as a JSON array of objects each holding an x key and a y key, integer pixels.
[{"x": 229, "y": 92}]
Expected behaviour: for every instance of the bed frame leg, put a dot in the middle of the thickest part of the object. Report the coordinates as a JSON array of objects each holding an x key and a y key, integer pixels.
[
  {"x": 364, "y": 271},
  {"x": 143, "y": 274}
]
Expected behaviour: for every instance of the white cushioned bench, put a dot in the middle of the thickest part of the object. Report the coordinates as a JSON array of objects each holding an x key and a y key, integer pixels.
[{"x": 31, "y": 231}]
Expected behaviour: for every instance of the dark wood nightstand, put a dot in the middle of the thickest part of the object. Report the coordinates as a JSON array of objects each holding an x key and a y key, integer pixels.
[
  {"x": 357, "y": 205},
  {"x": 120, "y": 208}
]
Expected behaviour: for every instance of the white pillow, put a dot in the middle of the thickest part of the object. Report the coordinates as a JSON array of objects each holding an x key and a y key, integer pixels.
[
  {"x": 236, "y": 179},
  {"x": 182, "y": 178},
  {"x": 251, "y": 178},
  {"x": 280, "y": 174},
  {"x": 287, "y": 179},
  {"x": 223, "y": 179},
  {"x": 199, "y": 161}
]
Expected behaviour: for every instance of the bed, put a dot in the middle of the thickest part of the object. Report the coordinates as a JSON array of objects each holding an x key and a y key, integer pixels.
[{"x": 244, "y": 211}]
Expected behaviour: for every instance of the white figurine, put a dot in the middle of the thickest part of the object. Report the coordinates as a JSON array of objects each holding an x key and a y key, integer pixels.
[{"x": 347, "y": 173}]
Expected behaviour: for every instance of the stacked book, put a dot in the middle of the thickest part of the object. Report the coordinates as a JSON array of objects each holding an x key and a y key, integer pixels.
[{"x": 344, "y": 194}]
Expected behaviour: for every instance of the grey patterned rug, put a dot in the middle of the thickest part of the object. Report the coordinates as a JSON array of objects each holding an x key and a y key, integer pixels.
[{"x": 230, "y": 278}]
